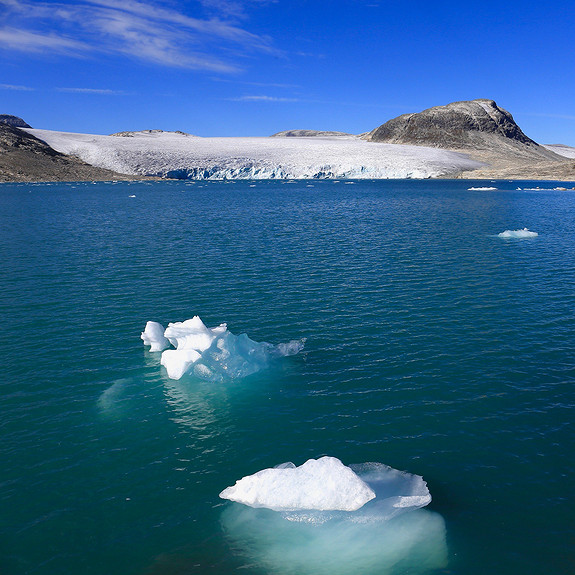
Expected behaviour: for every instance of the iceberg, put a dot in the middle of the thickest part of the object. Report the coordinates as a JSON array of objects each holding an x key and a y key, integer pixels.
[
  {"x": 524, "y": 233},
  {"x": 153, "y": 335},
  {"x": 389, "y": 534},
  {"x": 305, "y": 493},
  {"x": 214, "y": 353},
  {"x": 322, "y": 484}
]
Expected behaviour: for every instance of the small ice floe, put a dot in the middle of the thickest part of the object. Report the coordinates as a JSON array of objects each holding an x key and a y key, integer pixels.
[
  {"x": 326, "y": 484},
  {"x": 524, "y": 233},
  {"x": 214, "y": 353},
  {"x": 326, "y": 518},
  {"x": 132, "y": 196},
  {"x": 481, "y": 189}
]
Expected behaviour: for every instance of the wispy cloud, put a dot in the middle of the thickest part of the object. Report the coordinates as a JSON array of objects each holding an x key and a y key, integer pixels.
[
  {"x": 262, "y": 99},
  {"x": 233, "y": 8},
  {"x": 557, "y": 116},
  {"x": 101, "y": 91},
  {"x": 30, "y": 41},
  {"x": 139, "y": 29},
  {"x": 16, "y": 87}
]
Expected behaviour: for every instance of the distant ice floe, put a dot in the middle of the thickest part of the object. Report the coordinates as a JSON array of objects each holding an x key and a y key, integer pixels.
[
  {"x": 524, "y": 233},
  {"x": 171, "y": 155},
  {"x": 298, "y": 532},
  {"x": 481, "y": 189},
  {"x": 214, "y": 353}
]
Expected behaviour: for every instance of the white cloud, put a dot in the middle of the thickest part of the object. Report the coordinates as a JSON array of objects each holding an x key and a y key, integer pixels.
[
  {"x": 557, "y": 116},
  {"x": 139, "y": 29},
  {"x": 233, "y": 8},
  {"x": 30, "y": 41},
  {"x": 102, "y": 91},
  {"x": 16, "y": 87},
  {"x": 263, "y": 99}
]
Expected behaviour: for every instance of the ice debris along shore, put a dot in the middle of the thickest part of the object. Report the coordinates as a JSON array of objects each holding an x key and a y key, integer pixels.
[
  {"x": 182, "y": 156},
  {"x": 327, "y": 485},
  {"x": 215, "y": 353},
  {"x": 314, "y": 522},
  {"x": 524, "y": 233}
]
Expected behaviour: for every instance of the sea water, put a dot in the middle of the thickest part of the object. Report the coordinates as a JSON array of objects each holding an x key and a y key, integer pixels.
[{"x": 432, "y": 345}]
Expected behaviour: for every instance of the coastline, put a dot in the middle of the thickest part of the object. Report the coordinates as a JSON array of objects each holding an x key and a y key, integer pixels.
[{"x": 45, "y": 156}]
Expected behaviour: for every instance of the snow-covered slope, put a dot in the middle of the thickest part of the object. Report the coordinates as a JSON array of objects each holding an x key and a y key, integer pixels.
[
  {"x": 562, "y": 150},
  {"x": 178, "y": 155}
]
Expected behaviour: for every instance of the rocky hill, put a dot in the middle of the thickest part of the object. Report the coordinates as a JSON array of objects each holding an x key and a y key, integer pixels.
[
  {"x": 307, "y": 134},
  {"x": 25, "y": 158},
  {"x": 482, "y": 130},
  {"x": 475, "y": 124},
  {"x": 13, "y": 121}
]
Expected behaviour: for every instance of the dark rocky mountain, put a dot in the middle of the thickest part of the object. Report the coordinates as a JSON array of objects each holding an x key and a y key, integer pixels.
[
  {"x": 25, "y": 158},
  {"x": 13, "y": 121}
]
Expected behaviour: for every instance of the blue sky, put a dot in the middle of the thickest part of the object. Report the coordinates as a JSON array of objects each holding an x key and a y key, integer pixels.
[{"x": 255, "y": 67}]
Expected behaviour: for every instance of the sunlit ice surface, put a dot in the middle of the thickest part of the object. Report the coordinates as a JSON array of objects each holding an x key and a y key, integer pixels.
[
  {"x": 389, "y": 534},
  {"x": 215, "y": 353}
]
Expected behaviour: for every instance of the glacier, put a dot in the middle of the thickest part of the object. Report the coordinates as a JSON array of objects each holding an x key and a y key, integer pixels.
[
  {"x": 389, "y": 534},
  {"x": 215, "y": 353},
  {"x": 182, "y": 156}
]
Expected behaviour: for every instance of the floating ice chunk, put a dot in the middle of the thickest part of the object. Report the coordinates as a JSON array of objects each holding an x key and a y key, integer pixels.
[
  {"x": 524, "y": 233},
  {"x": 481, "y": 189},
  {"x": 324, "y": 484},
  {"x": 396, "y": 491},
  {"x": 192, "y": 334},
  {"x": 178, "y": 361},
  {"x": 153, "y": 335},
  {"x": 212, "y": 353},
  {"x": 389, "y": 534}
]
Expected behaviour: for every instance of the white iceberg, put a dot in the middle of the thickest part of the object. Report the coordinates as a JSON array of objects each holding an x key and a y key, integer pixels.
[
  {"x": 305, "y": 493},
  {"x": 524, "y": 233},
  {"x": 389, "y": 534},
  {"x": 214, "y": 353},
  {"x": 481, "y": 189},
  {"x": 153, "y": 335},
  {"x": 324, "y": 484}
]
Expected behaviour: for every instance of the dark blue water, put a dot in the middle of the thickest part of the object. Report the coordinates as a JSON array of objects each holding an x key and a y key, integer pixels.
[{"x": 432, "y": 346}]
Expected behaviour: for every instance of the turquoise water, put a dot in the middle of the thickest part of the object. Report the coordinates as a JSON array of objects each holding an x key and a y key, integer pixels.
[{"x": 432, "y": 346}]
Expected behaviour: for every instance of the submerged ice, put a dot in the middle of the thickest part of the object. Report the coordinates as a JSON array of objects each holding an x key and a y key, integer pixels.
[
  {"x": 388, "y": 534},
  {"x": 211, "y": 353}
]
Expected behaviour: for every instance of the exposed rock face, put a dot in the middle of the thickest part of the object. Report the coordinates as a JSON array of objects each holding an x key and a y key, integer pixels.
[
  {"x": 147, "y": 133},
  {"x": 307, "y": 134},
  {"x": 483, "y": 131},
  {"x": 13, "y": 121},
  {"x": 475, "y": 124},
  {"x": 25, "y": 158}
]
